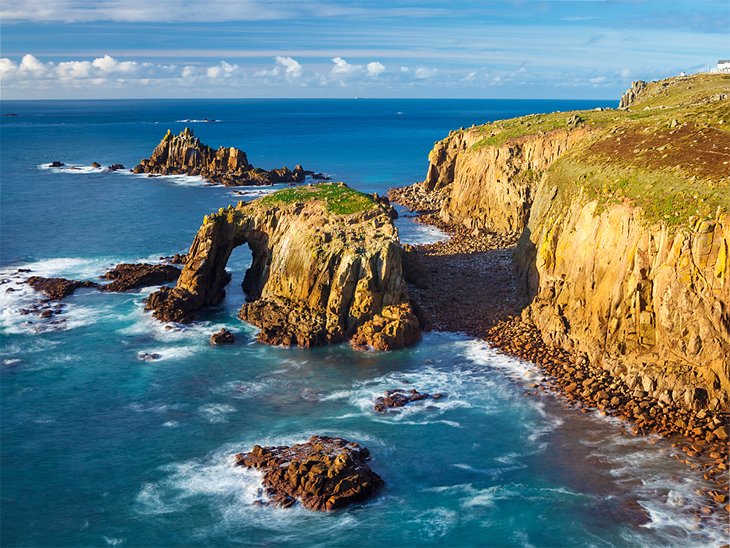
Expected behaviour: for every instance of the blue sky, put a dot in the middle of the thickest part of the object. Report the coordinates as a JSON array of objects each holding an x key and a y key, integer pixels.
[{"x": 367, "y": 48}]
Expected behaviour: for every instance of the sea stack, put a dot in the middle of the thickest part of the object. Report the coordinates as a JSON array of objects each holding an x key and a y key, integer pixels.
[{"x": 327, "y": 267}]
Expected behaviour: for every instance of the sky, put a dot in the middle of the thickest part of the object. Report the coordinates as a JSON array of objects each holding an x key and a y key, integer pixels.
[{"x": 572, "y": 49}]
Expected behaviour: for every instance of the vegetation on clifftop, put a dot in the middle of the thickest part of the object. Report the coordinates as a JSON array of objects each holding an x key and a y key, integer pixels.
[
  {"x": 668, "y": 153},
  {"x": 337, "y": 197}
]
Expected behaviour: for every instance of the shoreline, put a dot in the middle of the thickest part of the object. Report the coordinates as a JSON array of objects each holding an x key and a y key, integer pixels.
[{"x": 493, "y": 315}]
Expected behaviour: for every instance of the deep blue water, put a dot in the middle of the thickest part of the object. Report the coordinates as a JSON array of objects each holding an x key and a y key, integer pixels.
[{"x": 101, "y": 448}]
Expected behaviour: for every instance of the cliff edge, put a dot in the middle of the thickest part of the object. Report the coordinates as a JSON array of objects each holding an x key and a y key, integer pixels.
[
  {"x": 623, "y": 229},
  {"x": 327, "y": 267}
]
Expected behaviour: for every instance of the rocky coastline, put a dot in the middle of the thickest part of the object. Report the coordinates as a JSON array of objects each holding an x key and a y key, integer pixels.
[{"x": 510, "y": 223}]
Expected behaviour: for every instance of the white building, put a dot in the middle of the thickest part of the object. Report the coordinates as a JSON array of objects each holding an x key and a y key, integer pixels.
[{"x": 723, "y": 65}]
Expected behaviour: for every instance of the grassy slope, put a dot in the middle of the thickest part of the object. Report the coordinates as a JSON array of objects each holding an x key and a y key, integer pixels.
[
  {"x": 669, "y": 153},
  {"x": 338, "y": 198}
]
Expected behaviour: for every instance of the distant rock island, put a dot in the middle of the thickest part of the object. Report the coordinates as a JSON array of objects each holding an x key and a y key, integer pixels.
[
  {"x": 327, "y": 267},
  {"x": 184, "y": 154}
]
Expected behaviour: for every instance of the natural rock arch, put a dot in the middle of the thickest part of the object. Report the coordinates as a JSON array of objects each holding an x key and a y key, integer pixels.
[{"x": 316, "y": 277}]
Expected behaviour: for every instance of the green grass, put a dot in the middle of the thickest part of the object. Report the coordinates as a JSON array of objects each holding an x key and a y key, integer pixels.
[
  {"x": 338, "y": 198},
  {"x": 666, "y": 195}
]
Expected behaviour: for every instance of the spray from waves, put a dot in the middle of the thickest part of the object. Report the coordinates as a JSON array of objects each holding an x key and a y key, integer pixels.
[
  {"x": 19, "y": 303},
  {"x": 232, "y": 493},
  {"x": 411, "y": 232},
  {"x": 666, "y": 490},
  {"x": 198, "y": 121},
  {"x": 75, "y": 169}
]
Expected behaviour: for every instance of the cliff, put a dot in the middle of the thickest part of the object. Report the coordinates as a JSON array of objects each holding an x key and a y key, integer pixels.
[
  {"x": 327, "y": 267},
  {"x": 184, "y": 154},
  {"x": 622, "y": 218}
]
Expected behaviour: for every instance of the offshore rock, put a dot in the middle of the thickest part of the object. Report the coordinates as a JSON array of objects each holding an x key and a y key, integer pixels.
[
  {"x": 57, "y": 288},
  {"x": 133, "y": 276},
  {"x": 322, "y": 474},
  {"x": 184, "y": 154},
  {"x": 318, "y": 275},
  {"x": 400, "y": 398},
  {"x": 222, "y": 337}
]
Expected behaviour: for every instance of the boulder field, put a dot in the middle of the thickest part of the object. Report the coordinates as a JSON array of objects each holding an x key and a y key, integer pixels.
[
  {"x": 184, "y": 154},
  {"x": 327, "y": 267}
]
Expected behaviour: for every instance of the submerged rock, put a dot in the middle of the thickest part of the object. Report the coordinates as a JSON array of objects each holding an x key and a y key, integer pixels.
[
  {"x": 133, "y": 276},
  {"x": 400, "y": 398},
  {"x": 327, "y": 267},
  {"x": 322, "y": 474},
  {"x": 57, "y": 288},
  {"x": 56, "y": 163},
  {"x": 184, "y": 154},
  {"x": 222, "y": 337}
]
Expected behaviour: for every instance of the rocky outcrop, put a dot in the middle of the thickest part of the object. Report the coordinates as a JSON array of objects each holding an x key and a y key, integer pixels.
[
  {"x": 318, "y": 276},
  {"x": 322, "y": 474},
  {"x": 632, "y": 94},
  {"x": 184, "y": 154},
  {"x": 400, "y": 398},
  {"x": 127, "y": 276},
  {"x": 57, "y": 288}
]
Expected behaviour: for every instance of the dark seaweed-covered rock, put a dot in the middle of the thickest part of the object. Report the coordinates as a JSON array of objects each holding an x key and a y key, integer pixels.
[
  {"x": 322, "y": 474},
  {"x": 133, "y": 276},
  {"x": 401, "y": 398},
  {"x": 57, "y": 288}
]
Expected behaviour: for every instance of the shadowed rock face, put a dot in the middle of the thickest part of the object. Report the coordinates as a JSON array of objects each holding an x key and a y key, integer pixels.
[
  {"x": 184, "y": 154},
  {"x": 316, "y": 277},
  {"x": 322, "y": 474}
]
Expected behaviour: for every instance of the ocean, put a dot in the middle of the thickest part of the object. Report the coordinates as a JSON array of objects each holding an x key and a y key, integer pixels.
[{"x": 100, "y": 447}]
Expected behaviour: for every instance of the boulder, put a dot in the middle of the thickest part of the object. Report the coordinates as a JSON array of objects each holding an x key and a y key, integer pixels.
[
  {"x": 324, "y": 473},
  {"x": 222, "y": 337},
  {"x": 56, "y": 163}
]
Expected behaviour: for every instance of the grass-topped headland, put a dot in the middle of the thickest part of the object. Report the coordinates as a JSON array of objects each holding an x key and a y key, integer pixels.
[
  {"x": 697, "y": 98},
  {"x": 668, "y": 152},
  {"x": 338, "y": 198}
]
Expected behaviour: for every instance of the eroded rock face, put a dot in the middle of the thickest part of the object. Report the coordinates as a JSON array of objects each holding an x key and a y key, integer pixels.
[
  {"x": 631, "y": 94},
  {"x": 316, "y": 277},
  {"x": 57, "y": 288},
  {"x": 490, "y": 187},
  {"x": 127, "y": 276},
  {"x": 322, "y": 474},
  {"x": 184, "y": 154}
]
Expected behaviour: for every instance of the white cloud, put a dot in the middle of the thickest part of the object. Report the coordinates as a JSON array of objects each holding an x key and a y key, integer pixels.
[
  {"x": 221, "y": 70},
  {"x": 31, "y": 65},
  {"x": 597, "y": 80},
  {"x": 110, "y": 65},
  {"x": 7, "y": 67},
  {"x": 292, "y": 68},
  {"x": 375, "y": 68},
  {"x": 344, "y": 69},
  {"x": 188, "y": 72},
  {"x": 74, "y": 70},
  {"x": 423, "y": 73}
]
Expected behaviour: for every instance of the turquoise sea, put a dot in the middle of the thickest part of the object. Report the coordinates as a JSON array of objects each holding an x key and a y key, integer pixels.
[{"x": 99, "y": 447}]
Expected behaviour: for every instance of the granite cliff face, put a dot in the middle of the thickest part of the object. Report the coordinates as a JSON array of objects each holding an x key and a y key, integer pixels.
[
  {"x": 623, "y": 228},
  {"x": 490, "y": 187},
  {"x": 327, "y": 267},
  {"x": 185, "y": 154}
]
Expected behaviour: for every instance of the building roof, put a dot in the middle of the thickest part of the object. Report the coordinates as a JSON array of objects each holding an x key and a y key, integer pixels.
[{"x": 723, "y": 61}]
